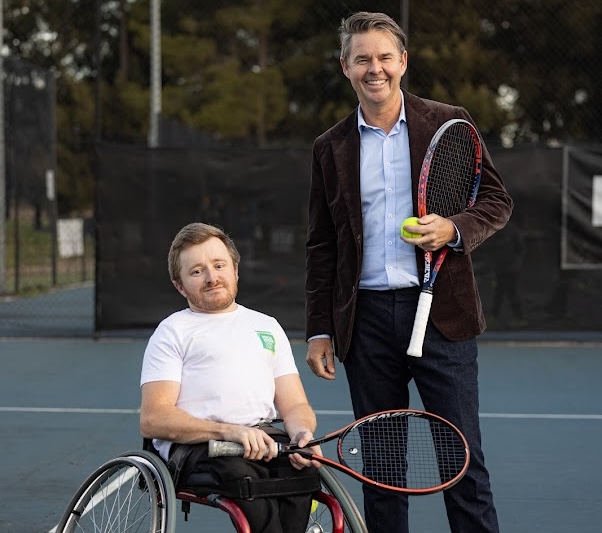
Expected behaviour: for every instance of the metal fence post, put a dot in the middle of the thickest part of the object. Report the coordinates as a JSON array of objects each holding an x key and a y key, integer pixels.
[
  {"x": 2, "y": 164},
  {"x": 155, "y": 74}
]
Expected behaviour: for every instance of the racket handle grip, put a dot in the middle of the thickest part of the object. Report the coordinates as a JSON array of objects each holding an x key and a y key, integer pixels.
[
  {"x": 420, "y": 321},
  {"x": 223, "y": 448}
]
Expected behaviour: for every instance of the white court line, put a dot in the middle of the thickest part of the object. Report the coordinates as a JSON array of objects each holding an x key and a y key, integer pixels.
[
  {"x": 67, "y": 410},
  {"x": 542, "y": 416},
  {"x": 323, "y": 412},
  {"x": 499, "y": 415}
]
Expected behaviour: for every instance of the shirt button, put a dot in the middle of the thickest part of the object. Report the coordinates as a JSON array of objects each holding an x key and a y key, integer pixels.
[
  {"x": 390, "y": 243},
  {"x": 389, "y": 189},
  {"x": 389, "y": 215}
]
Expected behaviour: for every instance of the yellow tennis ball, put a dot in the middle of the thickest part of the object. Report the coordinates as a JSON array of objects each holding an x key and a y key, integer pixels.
[
  {"x": 314, "y": 506},
  {"x": 410, "y": 221}
]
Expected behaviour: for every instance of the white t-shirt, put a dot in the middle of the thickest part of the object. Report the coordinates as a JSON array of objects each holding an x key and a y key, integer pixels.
[{"x": 225, "y": 363}]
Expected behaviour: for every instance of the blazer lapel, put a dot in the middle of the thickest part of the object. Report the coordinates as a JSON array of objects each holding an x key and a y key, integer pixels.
[
  {"x": 346, "y": 154},
  {"x": 422, "y": 125}
]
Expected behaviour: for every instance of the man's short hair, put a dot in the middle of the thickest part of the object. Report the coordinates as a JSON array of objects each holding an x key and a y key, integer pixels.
[{"x": 364, "y": 21}]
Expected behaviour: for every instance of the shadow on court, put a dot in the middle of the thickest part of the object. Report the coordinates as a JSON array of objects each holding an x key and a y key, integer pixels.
[{"x": 66, "y": 406}]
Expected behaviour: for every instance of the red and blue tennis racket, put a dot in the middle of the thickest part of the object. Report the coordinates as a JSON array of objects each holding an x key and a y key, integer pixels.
[
  {"x": 448, "y": 184},
  {"x": 403, "y": 451}
]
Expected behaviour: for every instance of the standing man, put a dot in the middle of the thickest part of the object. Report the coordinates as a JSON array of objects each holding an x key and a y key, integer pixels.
[
  {"x": 363, "y": 281},
  {"x": 218, "y": 370}
]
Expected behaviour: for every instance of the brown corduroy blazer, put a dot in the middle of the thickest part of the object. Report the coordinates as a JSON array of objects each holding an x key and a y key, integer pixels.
[{"x": 335, "y": 241}]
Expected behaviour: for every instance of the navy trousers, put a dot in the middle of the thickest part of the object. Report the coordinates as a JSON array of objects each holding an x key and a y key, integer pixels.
[{"x": 446, "y": 376}]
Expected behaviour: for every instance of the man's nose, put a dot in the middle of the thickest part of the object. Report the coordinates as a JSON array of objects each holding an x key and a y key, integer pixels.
[
  {"x": 374, "y": 65},
  {"x": 211, "y": 275}
]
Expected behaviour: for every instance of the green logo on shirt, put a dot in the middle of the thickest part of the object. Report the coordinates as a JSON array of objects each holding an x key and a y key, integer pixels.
[{"x": 267, "y": 340}]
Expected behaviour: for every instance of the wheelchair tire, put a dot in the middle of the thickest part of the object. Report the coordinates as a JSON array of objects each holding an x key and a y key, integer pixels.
[
  {"x": 121, "y": 491},
  {"x": 166, "y": 493}
]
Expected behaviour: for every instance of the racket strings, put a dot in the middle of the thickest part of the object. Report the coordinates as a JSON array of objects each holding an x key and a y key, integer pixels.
[
  {"x": 452, "y": 173},
  {"x": 410, "y": 451}
]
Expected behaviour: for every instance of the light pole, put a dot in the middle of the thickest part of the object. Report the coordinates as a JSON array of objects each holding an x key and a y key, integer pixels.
[
  {"x": 155, "y": 73},
  {"x": 405, "y": 26}
]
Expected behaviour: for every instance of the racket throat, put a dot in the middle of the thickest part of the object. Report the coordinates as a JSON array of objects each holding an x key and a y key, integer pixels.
[
  {"x": 428, "y": 259},
  {"x": 427, "y": 276}
]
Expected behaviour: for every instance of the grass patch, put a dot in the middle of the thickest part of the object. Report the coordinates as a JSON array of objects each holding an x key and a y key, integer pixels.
[{"x": 32, "y": 262}]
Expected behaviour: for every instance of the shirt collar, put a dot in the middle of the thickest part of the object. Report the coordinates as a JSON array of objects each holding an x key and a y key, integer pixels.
[{"x": 361, "y": 123}]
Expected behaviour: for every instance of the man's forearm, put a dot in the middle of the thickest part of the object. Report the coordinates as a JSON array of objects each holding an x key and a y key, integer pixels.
[
  {"x": 300, "y": 419},
  {"x": 175, "y": 425}
]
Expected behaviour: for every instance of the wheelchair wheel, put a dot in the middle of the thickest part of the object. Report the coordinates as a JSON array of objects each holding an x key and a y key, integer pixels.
[
  {"x": 120, "y": 495},
  {"x": 166, "y": 493},
  {"x": 320, "y": 520}
]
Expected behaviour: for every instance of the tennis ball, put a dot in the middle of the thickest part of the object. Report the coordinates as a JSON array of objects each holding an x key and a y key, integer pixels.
[
  {"x": 410, "y": 221},
  {"x": 314, "y": 506}
]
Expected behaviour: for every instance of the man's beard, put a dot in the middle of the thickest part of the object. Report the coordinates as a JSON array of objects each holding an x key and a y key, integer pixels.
[{"x": 212, "y": 304}]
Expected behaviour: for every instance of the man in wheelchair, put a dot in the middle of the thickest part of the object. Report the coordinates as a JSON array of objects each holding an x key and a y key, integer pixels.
[{"x": 218, "y": 370}]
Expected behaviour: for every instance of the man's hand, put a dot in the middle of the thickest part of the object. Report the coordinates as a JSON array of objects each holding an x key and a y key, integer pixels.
[
  {"x": 257, "y": 443},
  {"x": 320, "y": 358},
  {"x": 297, "y": 460},
  {"x": 436, "y": 232}
]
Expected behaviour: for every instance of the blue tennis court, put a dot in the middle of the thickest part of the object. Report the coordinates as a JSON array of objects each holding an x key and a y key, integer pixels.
[{"x": 66, "y": 406}]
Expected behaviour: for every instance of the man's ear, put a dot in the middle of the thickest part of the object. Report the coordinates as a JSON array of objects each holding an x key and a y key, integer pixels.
[
  {"x": 344, "y": 67},
  {"x": 404, "y": 62},
  {"x": 179, "y": 287}
]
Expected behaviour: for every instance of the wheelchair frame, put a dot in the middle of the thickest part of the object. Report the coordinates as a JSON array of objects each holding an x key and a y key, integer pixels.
[{"x": 136, "y": 489}]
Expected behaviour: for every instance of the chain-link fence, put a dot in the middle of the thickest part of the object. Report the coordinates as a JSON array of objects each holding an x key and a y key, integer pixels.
[
  {"x": 43, "y": 253},
  {"x": 258, "y": 74}
]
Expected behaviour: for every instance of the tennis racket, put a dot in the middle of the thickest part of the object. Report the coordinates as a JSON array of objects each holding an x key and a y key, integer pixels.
[
  {"x": 407, "y": 451},
  {"x": 448, "y": 184}
]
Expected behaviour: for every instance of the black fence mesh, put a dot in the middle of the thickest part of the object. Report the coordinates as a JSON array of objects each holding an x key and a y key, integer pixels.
[{"x": 260, "y": 197}]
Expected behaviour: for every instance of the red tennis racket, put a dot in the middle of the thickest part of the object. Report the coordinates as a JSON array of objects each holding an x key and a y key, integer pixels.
[
  {"x": 407, "y": 451},
  {"x": 448, "y": 184}
]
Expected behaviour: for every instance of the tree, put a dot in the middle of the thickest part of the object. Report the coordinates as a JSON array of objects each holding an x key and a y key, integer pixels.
[
  {"x": 551, "y": 51},
  {"x": 449, "y": 62}
]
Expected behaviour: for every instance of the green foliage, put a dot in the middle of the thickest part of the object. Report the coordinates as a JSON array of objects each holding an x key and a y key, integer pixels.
[
  {"x": 75, "y": 124},
  {"x": 235, "y": 100},
  {"x": 551, "y": 52},
  {"x": 125, "y": 111},
  {"x": 184, "y": 54}
]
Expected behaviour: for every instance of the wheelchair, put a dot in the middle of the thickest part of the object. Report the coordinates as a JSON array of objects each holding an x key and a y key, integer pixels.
[{"x": 135, "y": 492}]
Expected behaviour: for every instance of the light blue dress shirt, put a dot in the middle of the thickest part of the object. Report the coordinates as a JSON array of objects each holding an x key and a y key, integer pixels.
[{"x": 386, "y": 192}]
